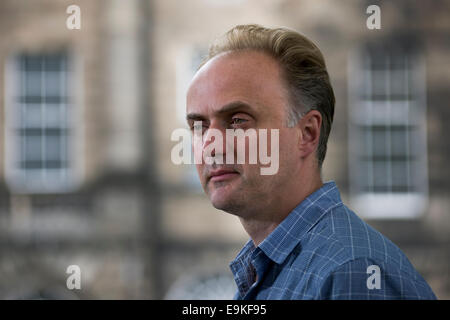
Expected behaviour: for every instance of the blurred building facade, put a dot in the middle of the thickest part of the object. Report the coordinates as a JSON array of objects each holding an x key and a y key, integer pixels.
[{"x": 86, "y": 117}]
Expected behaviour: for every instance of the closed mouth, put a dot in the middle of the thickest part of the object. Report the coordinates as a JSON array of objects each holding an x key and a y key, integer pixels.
[{"x": 221, "y": 175}]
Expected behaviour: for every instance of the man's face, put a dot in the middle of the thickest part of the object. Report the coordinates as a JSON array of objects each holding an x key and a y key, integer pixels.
[{"x": 243, "y": 90}]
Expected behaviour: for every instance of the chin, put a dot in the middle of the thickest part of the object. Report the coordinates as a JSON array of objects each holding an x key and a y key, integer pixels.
[
  {"x": 227, "y": 204},
  {"x": 219, "y": 201}
]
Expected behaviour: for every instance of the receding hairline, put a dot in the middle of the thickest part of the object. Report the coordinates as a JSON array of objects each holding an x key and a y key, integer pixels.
[
  {"x": 238, "y": 52},
  {"x": 230, "y": 54}
]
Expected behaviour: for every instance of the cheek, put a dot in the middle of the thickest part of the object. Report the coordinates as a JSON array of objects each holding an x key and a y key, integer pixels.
[
  {"x": 199, "y": 168},
  {"x": 288, "y": 148}
]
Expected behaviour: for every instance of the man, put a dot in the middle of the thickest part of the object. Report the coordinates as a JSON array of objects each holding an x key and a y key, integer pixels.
[{"x": 305, "y": 243}]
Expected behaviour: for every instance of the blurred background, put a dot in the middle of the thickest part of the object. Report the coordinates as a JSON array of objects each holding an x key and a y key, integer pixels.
[{"x": 86, "y": 117}]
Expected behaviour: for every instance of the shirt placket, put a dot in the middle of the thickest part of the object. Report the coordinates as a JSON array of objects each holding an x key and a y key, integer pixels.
[{"x": 258, "y": 266}]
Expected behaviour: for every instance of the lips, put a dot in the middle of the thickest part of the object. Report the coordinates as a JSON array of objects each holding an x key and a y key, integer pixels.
[{"x": 222, "y": 175}]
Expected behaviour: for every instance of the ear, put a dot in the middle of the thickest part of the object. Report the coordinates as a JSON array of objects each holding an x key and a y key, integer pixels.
[{"x": 309, "y": 127}]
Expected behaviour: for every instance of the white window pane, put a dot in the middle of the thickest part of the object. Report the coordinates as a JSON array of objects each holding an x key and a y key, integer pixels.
[
  {"x": 380, "y": 175},
  {"x": 32, "y": 116},
  {"x": 33, "y": 147},
  {"x": 53, "y": 147},
  {"x": 399, "y": 174},
  {"x": 380, "y": 112},
  {"x": 399, "y": 142},
  {"x": 34, "y": 178},
  {"x": 379, "y": 142},
  {"x": 53, "y": 116},
  {"x": 379, "y": 83},
  {"x": 55, "y": 177},
  {"x": 399, "y": 83},
  {"x": 31, "y": 62},
  {"x": 53, "y": 84},
  {"x": 32, "y": 84},
  {"x": 364, "y": 174},
  {"x": 399, "y": 112}
]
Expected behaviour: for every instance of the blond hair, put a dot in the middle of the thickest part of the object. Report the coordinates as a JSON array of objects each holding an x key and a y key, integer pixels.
[{"x": 303, "y": 68}]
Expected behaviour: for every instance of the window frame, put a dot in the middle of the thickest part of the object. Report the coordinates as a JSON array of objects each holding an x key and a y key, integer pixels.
[
  {"x": 387, "y": 205},
  {"x": 15, "y": 176}
]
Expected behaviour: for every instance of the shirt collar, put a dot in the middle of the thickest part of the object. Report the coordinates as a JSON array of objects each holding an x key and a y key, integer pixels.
[{"x": 281, "y": 241}]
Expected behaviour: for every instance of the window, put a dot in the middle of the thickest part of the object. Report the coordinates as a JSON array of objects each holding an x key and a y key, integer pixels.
[
  {"x": 387, "y": 135},
  {"x": 37, "y": 123}
]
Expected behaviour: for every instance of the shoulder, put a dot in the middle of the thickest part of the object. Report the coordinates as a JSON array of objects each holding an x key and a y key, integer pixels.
[
  {"x": 348, "y": 253},
  {"x": 351, "y": 238},
  {"x": 364, "y": 278}
]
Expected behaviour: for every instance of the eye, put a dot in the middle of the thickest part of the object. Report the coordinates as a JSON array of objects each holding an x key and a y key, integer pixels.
[
  {"x": 238, "y": 121},
  {"x": 198, "y": 126}
]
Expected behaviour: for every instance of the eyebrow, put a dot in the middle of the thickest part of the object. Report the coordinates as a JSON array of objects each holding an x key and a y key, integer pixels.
[
  {"x": 195, "y": 116},
  {"x": 228, "y": 108}
]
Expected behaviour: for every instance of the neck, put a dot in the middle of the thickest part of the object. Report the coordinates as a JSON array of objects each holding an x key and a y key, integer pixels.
[{"x": 260, "y": 225}]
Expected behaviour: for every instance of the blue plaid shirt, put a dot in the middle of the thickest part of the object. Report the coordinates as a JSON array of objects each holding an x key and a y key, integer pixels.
[{"x": 322, "y": 250}]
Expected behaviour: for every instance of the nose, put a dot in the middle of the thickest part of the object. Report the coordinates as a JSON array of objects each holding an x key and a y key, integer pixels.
[{"x": 214, "y": 144}]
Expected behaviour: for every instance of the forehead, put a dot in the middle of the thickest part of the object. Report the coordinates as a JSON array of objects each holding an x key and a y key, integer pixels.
[{"x": 249, "y": 76}]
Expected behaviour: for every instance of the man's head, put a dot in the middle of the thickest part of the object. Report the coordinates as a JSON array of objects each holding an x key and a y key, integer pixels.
[
  {"x": 303, "y": 70},
  {"x": 261, "y": 78}
]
